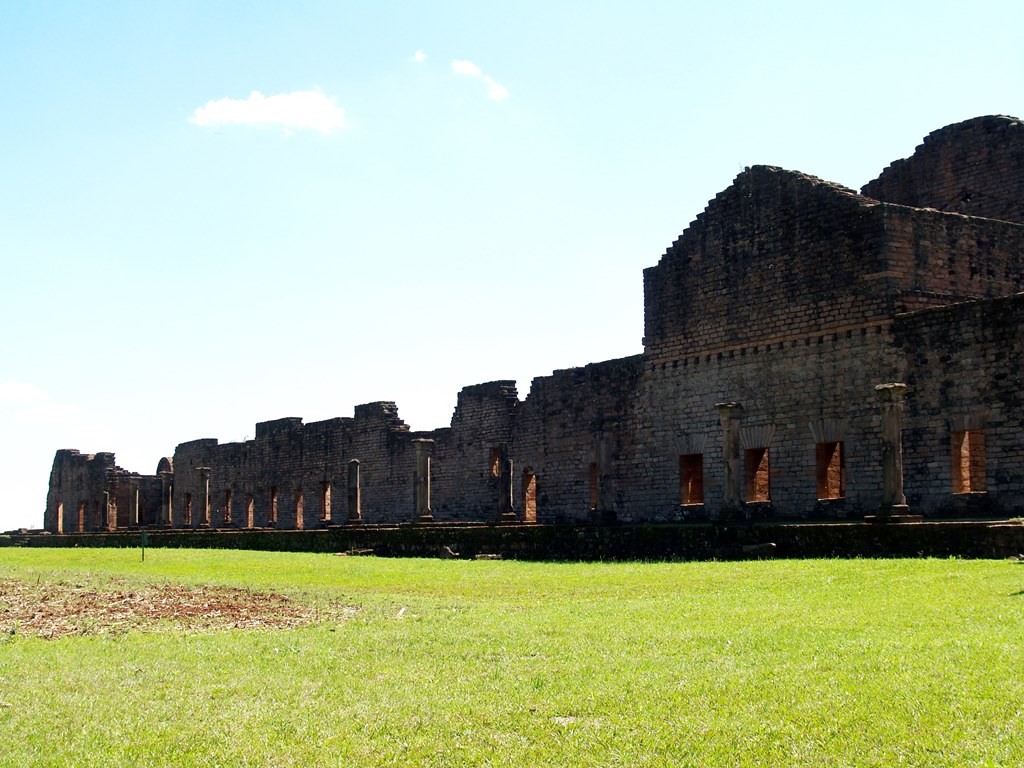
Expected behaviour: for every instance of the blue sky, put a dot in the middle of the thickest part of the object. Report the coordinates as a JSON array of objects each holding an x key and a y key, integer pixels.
[{"x": 422, "y": 196}]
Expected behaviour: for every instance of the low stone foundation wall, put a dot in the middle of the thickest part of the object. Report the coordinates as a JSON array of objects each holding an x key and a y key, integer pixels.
[{"x": 614, "y": 542}]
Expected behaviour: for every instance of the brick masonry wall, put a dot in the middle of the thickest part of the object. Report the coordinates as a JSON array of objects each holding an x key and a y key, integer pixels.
[
  {"x": 937, "y": 258},
  {"x": 964, "y": 370},
  {"x": 776, "y": 255},
  {"x": 975, "y": 168},
  {"x": 463, "y": 485},
  {"x": 570, "y": 420},
  {"x": 788, "y": 295},
  {"x": 791, "y": 391},
  {"x": 79, "y": 481}
]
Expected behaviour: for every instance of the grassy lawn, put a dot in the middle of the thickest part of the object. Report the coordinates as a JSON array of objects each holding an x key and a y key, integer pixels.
[{"x": 460, "y": 663}]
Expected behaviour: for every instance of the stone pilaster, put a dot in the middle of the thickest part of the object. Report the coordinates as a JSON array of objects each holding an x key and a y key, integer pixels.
[
  {"x": 204, "y": 490},
  {"x": 893, "y": 502},
  {"x": 730, "y": 415},
  {"x": 355, "y": 505},
  {"x": 110, "y": 509},
  {"x": 166, "y": 497},
  {"x": 133, "y": 503},
  {"x": 421, "y": 479},
  {"x": 506, "y": 502}
]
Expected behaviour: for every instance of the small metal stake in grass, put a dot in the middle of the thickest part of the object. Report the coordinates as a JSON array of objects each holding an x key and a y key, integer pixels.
[{"x": 143, "y": 541}]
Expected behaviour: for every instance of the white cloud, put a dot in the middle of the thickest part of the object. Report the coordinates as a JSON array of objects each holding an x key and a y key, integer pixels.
[
  {"x": 299, "y": 109},
  {"x": 15, "y": 391},
  {"x": 419, "y": 57},
  {"x": 495, "y": 91},
  {"x": 466, "y": 68}
]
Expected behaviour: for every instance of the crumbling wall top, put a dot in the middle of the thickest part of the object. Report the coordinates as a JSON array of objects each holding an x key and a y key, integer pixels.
[
  {"x": 277, "y": 426},
  {"x": 975, "y": 167}
]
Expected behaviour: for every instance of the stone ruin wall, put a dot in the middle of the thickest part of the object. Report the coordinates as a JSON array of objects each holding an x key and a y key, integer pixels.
[
  {"x": 553, "y": 437},
  {"x": 936, "y": 259},
  {"x": 810, "y": 277},
  {"x": 795, "y": 394},
  {"x": 574, "y": 434},
  {"x": 964, "y": 372},
  {"x": 975, "y": 168},
  {"x": 89, "y": 492},
  {"x": 788, "y": 294},
  {"x": 799, "y": 268}
]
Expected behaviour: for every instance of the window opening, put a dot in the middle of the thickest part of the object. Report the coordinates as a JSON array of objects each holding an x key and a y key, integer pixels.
[
  {"x": 529, "y": 497},
  {"x": 830, "y": 463},
  {"x": 757, "y": 479},
  {"x": 969, "y": 461},
  {"x": 691, "y": 478},
  {"x": 227, "y": 507},
  {"x": 325, "y": 501}
]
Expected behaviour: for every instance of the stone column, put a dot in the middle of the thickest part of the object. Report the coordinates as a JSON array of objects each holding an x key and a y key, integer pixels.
[
  {"x": 166, "y": 494},
  {"x": 730, "y": 415},
  {"x": 421, "y": 479},
  {"x": 894, "y": 502},
  {"x": 506, "y": 502},
  {"x": 355, "y": 503},
  {"x": 204, "y": 489}
]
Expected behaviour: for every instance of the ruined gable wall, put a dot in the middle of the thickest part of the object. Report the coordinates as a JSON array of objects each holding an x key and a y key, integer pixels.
[
  {"x": 975, "y": 168},
  {"x": 570, "y": 420},
  {"x": 964, "y": 372},
  {"x": 777, "y": 255}
]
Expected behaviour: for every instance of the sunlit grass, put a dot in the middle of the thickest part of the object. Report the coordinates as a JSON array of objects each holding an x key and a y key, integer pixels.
[{"x": 504, "y": 663}]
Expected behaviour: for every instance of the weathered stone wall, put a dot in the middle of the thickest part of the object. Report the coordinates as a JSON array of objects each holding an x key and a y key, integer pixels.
[
  {"x": 964, "y": 372},
  {"x": 934, "y": 258},
  {"x": 572, "y": 421},
  {"x": 287, "y": 468},
  {"x": 794, "y": 393},
  {"x": 466, "y": 471},
  {"x": 975, "y": 168},
  {"x": 778, "y": 255},
  {"x": 89, "y": 492},
  {"x": 787, "y": 296}
]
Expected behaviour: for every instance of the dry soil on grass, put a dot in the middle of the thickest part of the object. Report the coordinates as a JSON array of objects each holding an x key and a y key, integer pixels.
[{"x": 57, "y": 609}]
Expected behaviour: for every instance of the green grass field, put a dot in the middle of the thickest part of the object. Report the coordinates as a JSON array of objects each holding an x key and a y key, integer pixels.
[{"x": 461, "y": 663}]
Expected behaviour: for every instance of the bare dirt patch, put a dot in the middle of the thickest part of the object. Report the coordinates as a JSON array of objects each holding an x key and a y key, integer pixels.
[{"x": 57, "y": 609}]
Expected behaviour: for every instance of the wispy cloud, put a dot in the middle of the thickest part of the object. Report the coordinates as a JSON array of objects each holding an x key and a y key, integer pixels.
[
  {"x": 466, "y": 68},
  {"x": 495, "y": 90},
  {"x": 296, "y": 110},
  {"x": 419, "y": 57}
]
